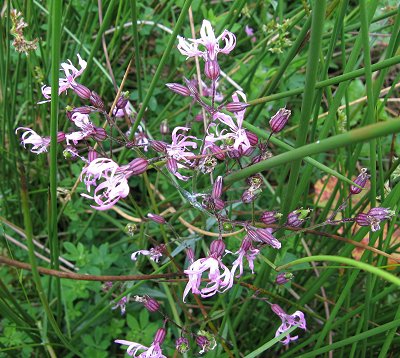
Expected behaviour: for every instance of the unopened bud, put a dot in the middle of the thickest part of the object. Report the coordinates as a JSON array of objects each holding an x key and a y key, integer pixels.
[
  {"x": 217, "y": 151},
  {"x": 246, "y": 243},
  {"x": 361, "y": 180},
  {"x": 182, "y": 345},
  {"x": 235, "y": 153},
  {"x": 81, "y": 90},
  {"x": 100, "y": 134},
  {"x": 159, "y": 146},
  {"x": 236, "y": 107},
  {"x": 211, "y": 69},
  {"x": 151, "y": 304},
  {"x": 60, "y": 137},
  {"x": 219, "y": 204},
  {"x": 156, "y": 218},
  {"x": 381, "y": 213},
  {"x": 92, "y": 155},
  {"x": 81, "y": 110},
  {"x": 122, "y": 101},
  {"x": 192, "y": 88},
  {"x": 279, "y": 120},
  {"x": 265, "y": 236},
  {"x": 362, "y": 219},
  {"x": 253, "y": 139},
  {"x": 96, "y": 101},
  {"x": 270, "y": 217},
  {"x": 172, "y": 165},
  {"x": 164, "y": 129},
  {"x": 217, "y": 248},
  {"x": 250, "y": 195},
  {"x": 138, "y": 166},
  {"x": 217, "y": 187},
  {"x": 179, "y": 89},
  {"x": 283, "y": 277},
  {"x": 190, "y": 255},
  {"x": 297, "y": 217},
  {"x": 160, "y": 335}
]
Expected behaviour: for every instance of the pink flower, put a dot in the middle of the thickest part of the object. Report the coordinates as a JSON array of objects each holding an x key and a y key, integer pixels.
[
  {"x": 246, "y": 251},
  {"x": 83, "y": 122},
  {"x": 177, "y": 150},
  {"x": 71, "y": 73},
  {"x": 219, "y": 282},
  {"x": 115, "y": 185},
  {"x": 40, "y": 144},
  {"x": 249, "y": 31},
  {"x": 155, "y": 253},
  {"x": 288, "y": 321},
  {"x": 121, "y": 304},
  {"x": 237, "y": 133},
  {"x": 209, "y": 42},
  {"x": 154, "y": 351}
]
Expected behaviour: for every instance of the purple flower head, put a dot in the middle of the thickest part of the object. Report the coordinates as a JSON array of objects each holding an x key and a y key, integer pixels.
[
  {"x": 361, "y": 180},
  {"x": 219, "y": 282},
  {"x": 39, "y": 144},
  {"x": 182, "y": 345},
  {"x": 71, "y": 73},
  {"x": 121, "y": 304},
  {"x": 246, "y": 251},
  {"x": 288, "y": 321},
  {"x": 210, "y": 43},
  {"x": 83, "y": 122},
  {"x": 155, "y": 253},
  {"x": 115, "y": 185},
  {"x": 279, "y": 120}
]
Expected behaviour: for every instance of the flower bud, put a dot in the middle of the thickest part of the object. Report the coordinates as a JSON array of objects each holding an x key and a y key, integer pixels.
[
  {"x": 248, "y": 152},
  {"x": 362, "y": 219},
  {"x": 81, "y": 90},
  {"x": 283, "y": 277},
  {"x": 172, "y": 165},
  {"x": 100, "y": 134},
  {"x": 156, "y": 218},
  {"x": 235, "y": 153},
  {"x": 159, "y": 146},
  {"x": 246, "y": 243},
  {"x": 361, "y": 180},
  {"x": 182, "y": 345},
  {"x": 236, "y": 107},
  {"x": 96, "y": 101},
  {"x": 217, "y": 248},
  {"x": 278, "y": 310},
  {"x": 160, "y": 336},
  {"x": 297, "y": 217},
  {"x": 92, "y": 155},
  {"x": 211, "y": 69},
  {"x": 217, "y": 188},
  {"x": 122, "y": 101},
  {"x": 270, "y": 217},
  {"x": 81, "y": 110},
  {"x": 265, "y": 236},
  {"x": 179, "y": 89},
  {"x": 138, "y": 166},
  {"x": 249, "y": 196},
  {"x": 151, "y": 304},
  {"x": 217, "y": 151},
  {"x": 253, "y": 139},
  {"x": 60, "y": 137},
  {"x": 279, "y": 120},
  {"x": 219, "y": 204},
  {"x": 164, "y": 129},
  {"x": 190, "y": 255},
  {"x": 191, "y": 86}
]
